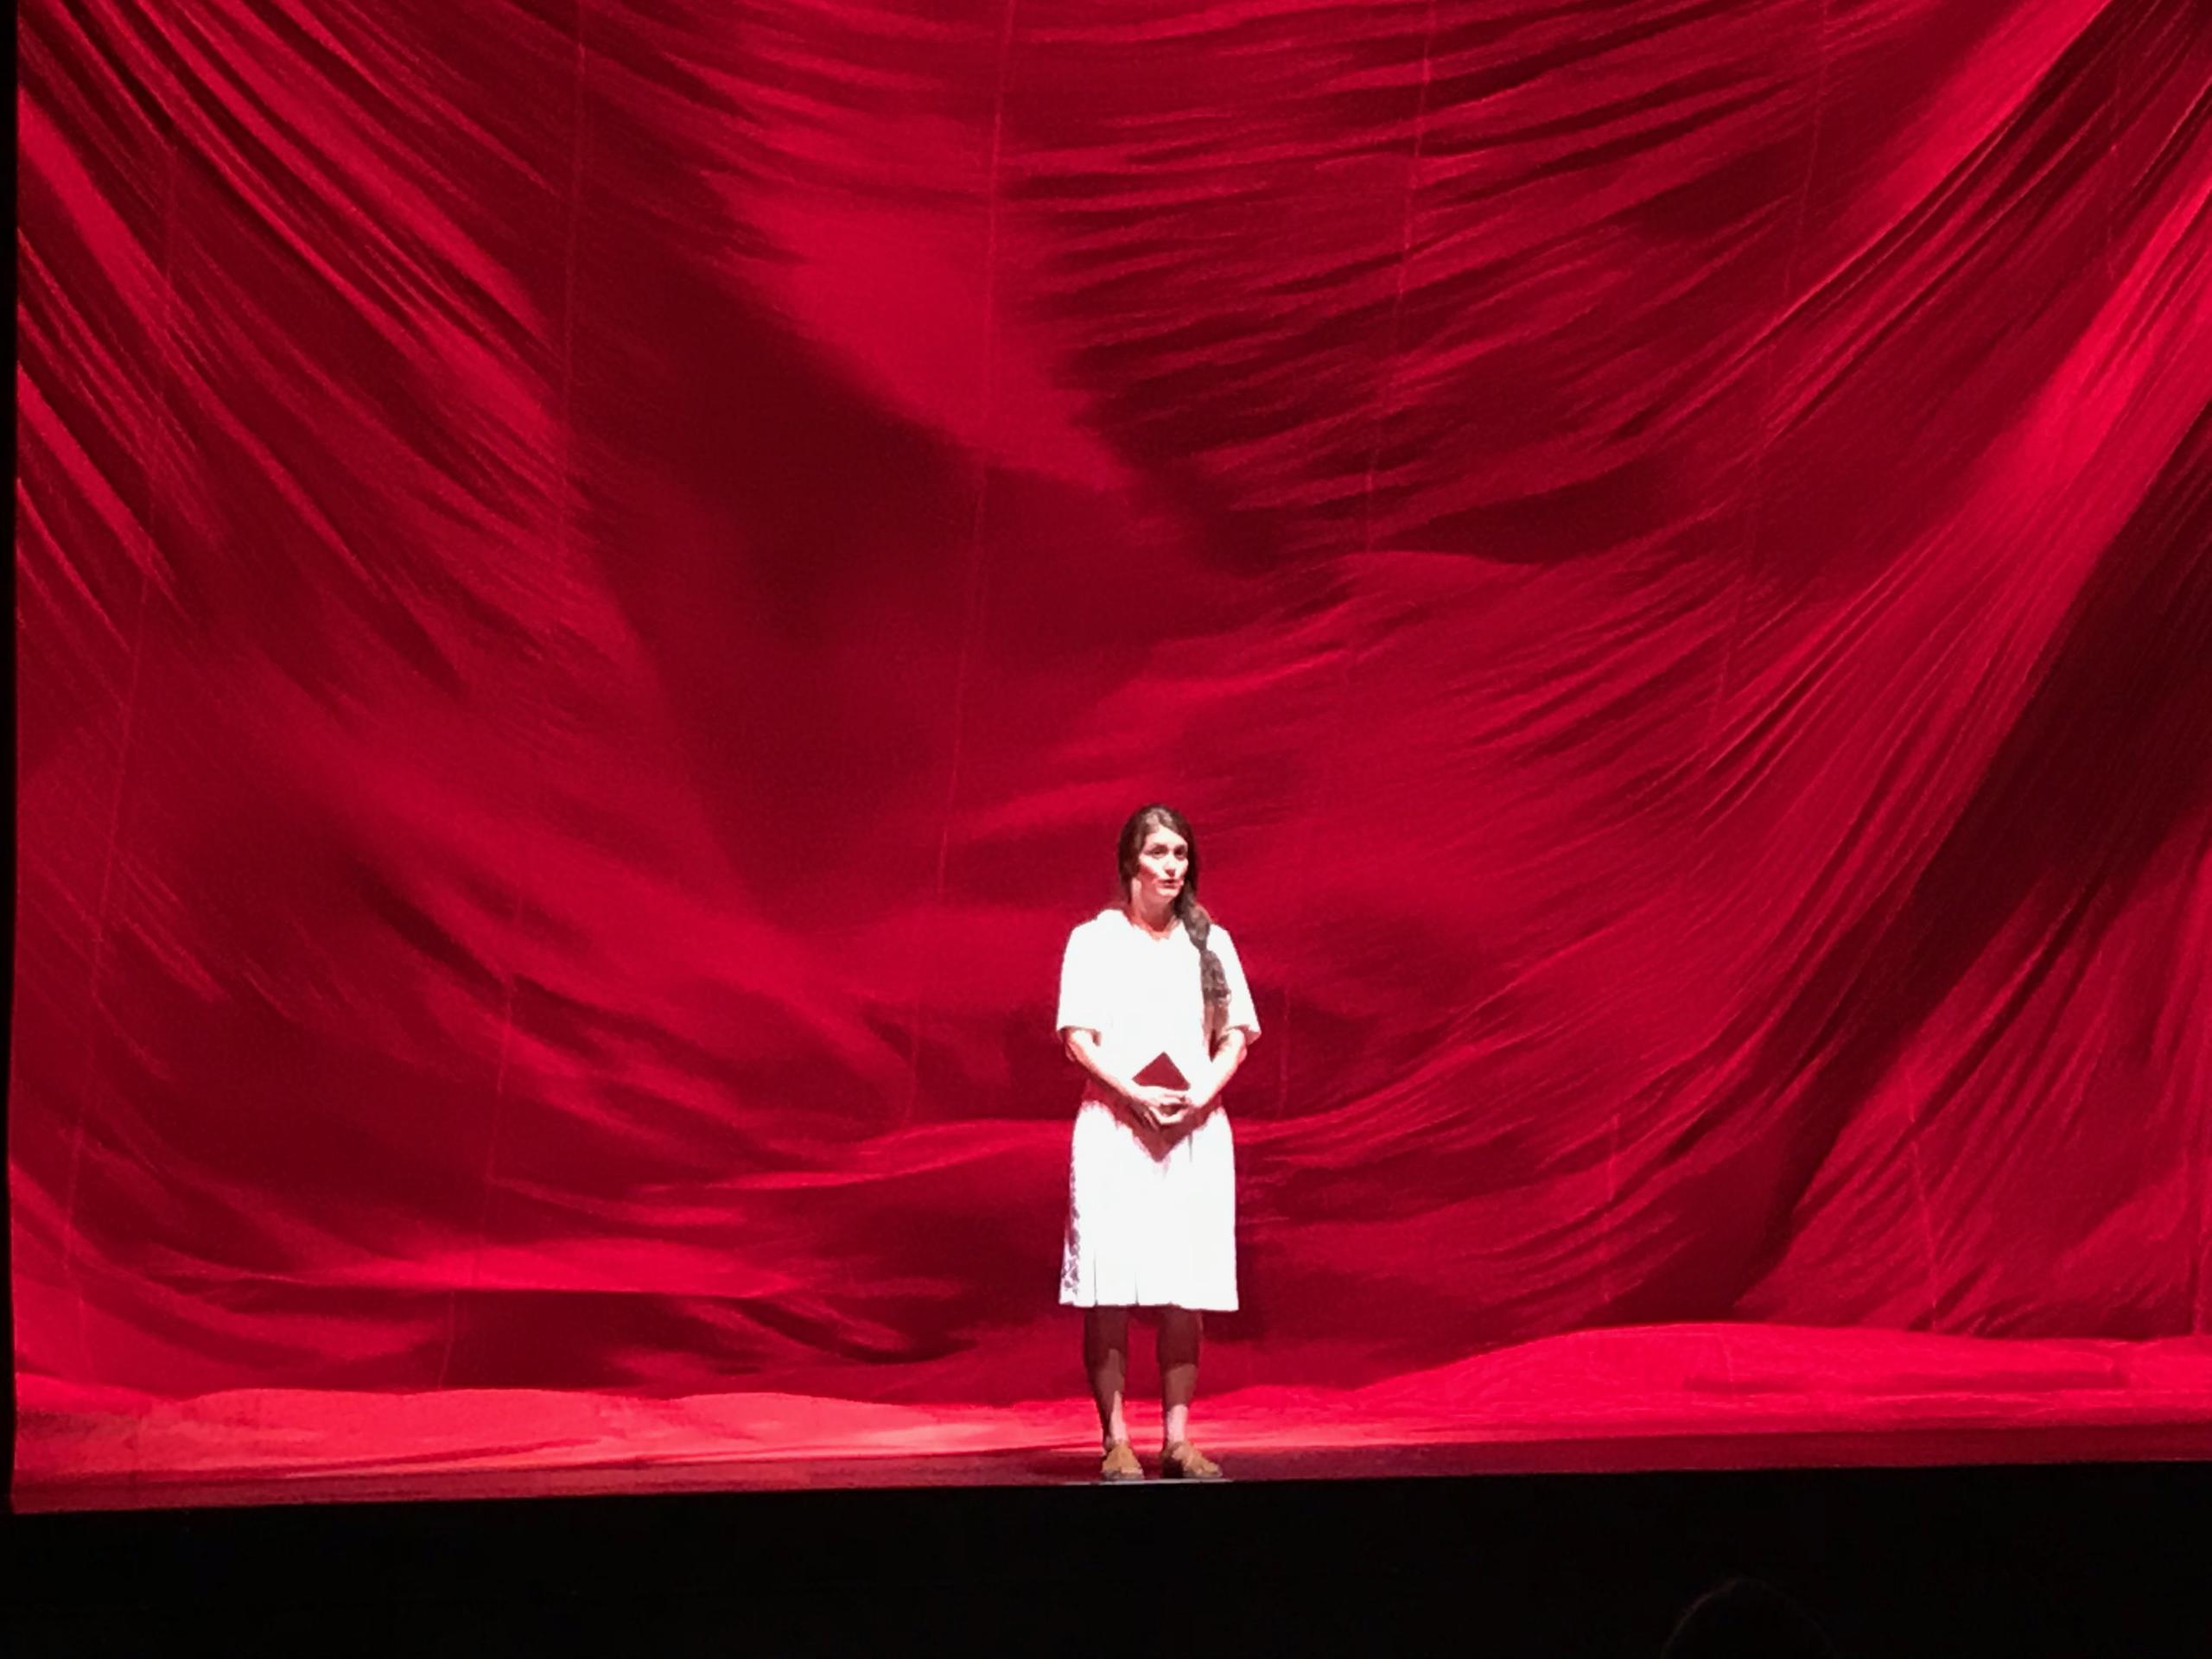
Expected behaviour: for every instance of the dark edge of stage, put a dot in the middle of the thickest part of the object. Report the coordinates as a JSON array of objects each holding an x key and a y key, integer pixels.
[{"x": 2072, "y": 1561}]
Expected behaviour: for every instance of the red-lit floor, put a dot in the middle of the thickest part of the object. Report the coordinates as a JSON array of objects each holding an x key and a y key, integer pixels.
[{"x": 1670, "y": 1397}]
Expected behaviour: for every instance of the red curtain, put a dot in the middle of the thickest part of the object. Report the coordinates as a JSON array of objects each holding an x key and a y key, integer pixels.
[{"x": 593, "y": 581}]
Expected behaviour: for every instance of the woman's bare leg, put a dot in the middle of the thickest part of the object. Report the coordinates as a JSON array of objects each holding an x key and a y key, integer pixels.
[
  {"x": 1106, "y": 1360},
  {"x": 1179, "y": 1329}
]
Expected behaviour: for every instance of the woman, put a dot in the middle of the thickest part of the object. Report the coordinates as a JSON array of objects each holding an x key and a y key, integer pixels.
[{"x": 1154, "y": 1008}]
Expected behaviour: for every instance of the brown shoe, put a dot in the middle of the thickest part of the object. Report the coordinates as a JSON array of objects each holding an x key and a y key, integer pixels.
[
  {"x": 1183, "y": 1461},
  {"x": 1120, "y": 1463}
]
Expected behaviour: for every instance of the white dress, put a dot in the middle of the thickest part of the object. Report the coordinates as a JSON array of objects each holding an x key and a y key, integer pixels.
[{"x": 1152, "y": 1221}]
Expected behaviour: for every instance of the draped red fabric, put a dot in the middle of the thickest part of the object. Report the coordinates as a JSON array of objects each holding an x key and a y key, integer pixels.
[{"x": 593, "y": 581}]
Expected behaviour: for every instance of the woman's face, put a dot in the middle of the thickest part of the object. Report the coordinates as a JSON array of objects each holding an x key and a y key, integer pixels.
[{"x": 1162, "y": 862}]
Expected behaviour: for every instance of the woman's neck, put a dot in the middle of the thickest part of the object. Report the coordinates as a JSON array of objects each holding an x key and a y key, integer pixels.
[{"x": 1158, "y": 924}]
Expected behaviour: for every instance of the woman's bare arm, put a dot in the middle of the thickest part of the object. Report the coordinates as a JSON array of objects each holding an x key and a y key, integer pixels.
[
  {"x": 1227, "y": 1055},
  {"x": 1082, "y": 1047},
  {"x": 1157, "y": 1107}
]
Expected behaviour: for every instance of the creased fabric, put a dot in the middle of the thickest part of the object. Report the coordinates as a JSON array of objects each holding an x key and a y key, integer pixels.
[{"x": 594, "y": 581}]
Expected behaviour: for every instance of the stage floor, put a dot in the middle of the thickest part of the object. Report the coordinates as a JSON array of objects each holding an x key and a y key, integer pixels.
[{"x": 1615, "y": 1401}]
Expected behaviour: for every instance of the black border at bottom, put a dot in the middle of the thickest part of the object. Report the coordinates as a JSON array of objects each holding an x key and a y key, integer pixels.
[{"x": 2069, "y": 1561}]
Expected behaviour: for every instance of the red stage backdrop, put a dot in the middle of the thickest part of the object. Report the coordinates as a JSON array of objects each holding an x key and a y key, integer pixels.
[{"x": 594, "y": 581}]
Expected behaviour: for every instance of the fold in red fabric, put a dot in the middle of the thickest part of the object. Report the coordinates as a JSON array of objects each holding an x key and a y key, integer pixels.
[{"x": 594, "y": 582}]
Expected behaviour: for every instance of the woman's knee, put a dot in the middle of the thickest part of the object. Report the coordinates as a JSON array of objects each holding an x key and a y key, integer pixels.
[
  {"x": 1107, "y": 1325},
  {"x": 1179, "y": 1329}
]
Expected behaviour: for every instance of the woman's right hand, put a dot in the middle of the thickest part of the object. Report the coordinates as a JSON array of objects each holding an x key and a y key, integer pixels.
[{"x": 1158, "y": 1107}]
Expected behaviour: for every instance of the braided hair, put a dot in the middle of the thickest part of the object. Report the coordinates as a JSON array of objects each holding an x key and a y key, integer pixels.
[{"x": 1212, "y": 981}]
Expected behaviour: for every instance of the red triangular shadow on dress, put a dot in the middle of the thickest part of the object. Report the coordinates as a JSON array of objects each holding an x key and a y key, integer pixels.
[{"x": 1161, "y": 1072}]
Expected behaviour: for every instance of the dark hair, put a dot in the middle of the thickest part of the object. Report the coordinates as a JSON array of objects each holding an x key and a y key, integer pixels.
[
  {"x": 1747, "y": 1619},
  {"x": 1192, "y": 914}
]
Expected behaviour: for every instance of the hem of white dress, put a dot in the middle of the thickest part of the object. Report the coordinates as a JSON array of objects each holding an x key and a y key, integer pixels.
[{"x": 1067, "y": 1300}]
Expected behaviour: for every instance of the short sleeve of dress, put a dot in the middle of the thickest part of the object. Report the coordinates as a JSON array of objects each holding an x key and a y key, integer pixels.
[
  {"x": 1241, "y": 1011},
  {"x": 1083, "y": 992}
]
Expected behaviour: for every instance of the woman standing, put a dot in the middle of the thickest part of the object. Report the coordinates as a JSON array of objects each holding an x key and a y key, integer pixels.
[{"x": 1154, "y": 1008}]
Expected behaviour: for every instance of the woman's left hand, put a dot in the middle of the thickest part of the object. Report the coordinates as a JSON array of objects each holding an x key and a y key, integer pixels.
[
  {"x": 1199, "y": 1098},
  {"x": 1193, "y": 1107}
]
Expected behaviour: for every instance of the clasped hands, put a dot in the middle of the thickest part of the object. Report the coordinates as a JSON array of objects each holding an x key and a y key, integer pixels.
[{"x": 1164, "y": 1110}]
